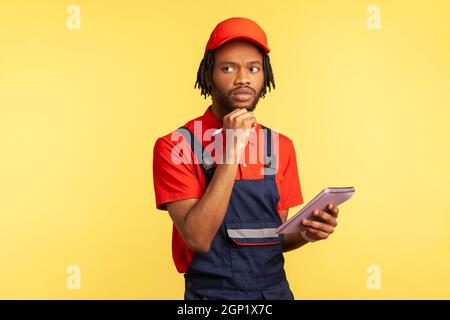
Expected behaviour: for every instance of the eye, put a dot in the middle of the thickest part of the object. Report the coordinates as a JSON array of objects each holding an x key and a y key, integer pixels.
[
  {"x": 254, "y": 69},
  {"x": 228, "y": 69}
]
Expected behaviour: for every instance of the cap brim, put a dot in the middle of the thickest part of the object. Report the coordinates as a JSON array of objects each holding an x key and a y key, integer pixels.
[{"x": 243, "y": 37}]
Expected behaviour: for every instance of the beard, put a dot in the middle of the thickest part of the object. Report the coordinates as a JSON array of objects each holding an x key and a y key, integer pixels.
[{"x": 227, "y": 103}]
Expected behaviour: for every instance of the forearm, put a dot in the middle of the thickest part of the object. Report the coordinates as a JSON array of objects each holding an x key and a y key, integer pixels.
[
  {"x": 201, "y": 222},
  {"x": 293, "y": 241},
  {"x": 205, "y": 217}
]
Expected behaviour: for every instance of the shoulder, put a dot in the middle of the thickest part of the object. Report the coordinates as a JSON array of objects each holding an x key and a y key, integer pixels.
[
  {"x": 163, "y": 146},
  {"x": 283, "y": 142},
  {"x": 170, "y": 139},
  {"x": 284, "y": 149}
]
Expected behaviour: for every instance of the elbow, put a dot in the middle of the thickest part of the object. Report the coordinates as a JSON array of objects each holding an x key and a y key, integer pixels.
[
  {"x": 196, "y": 240},
  {"x": 199, "y": 246},
  {"x": 202, "y": 249}
]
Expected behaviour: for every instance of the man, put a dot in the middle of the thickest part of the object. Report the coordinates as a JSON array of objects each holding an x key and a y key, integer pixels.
[{"x": 225, "y": 208}]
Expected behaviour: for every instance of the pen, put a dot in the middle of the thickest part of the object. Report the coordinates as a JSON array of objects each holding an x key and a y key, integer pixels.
[{"x": 217, "y": 131}]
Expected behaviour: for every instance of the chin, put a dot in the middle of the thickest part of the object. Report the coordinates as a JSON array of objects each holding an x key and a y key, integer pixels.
[{"x": 246, "y": 105}]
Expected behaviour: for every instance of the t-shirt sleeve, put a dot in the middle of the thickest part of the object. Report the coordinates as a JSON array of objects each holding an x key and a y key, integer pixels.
[
  {"x": 172, "y": 181},
  {"x": 290, "y": 190}
]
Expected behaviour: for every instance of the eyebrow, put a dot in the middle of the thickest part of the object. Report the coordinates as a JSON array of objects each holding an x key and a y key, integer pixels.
[{"x": 235, "y": 63}]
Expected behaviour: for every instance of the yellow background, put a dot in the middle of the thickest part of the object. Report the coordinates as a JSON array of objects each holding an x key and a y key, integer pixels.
[{"x": 80, "y": 111}]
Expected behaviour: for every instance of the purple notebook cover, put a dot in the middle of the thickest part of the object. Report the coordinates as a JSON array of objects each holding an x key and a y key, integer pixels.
[{"x": 320, "y": 201}]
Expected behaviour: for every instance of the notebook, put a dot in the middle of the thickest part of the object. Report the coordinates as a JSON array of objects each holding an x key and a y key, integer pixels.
[{"x": 332, "y": 195}]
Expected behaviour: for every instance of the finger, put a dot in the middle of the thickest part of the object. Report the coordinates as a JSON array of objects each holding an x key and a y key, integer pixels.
[
  {"x": 249, "y": 124},
  {"x": 236, "y": 113},
  {"x": 328, "y": 218},
  {"x": 317, "y": 234},
  {"x": 318, "y": 225},
  {"x": 244, "y": 115},
  {"x": 236, "y": 110},
  {"x": 334, "y": 210},
  {"x": 233, "y": 114},
  {"x": 247, "y": 118}
]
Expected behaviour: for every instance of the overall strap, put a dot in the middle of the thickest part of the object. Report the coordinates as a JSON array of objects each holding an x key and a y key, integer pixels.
[
  {"x": 269, "y": 158},
  {"x": 205, "y": 160}
]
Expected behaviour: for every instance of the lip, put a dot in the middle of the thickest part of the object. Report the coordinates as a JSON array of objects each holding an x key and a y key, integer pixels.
[
  {"x": 242, "y": 97},
  {"x": 242, "y": 94}
]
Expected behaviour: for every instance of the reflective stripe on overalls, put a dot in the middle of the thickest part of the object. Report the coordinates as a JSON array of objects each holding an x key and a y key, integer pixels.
[{"x": 246, "y": 255}]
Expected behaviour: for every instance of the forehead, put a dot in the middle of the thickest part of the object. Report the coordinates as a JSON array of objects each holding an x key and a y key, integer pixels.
[{"x": 239, "y": 51}]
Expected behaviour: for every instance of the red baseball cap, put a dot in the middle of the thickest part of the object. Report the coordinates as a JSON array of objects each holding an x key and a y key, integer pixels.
[{"x": 237, "y": 28}]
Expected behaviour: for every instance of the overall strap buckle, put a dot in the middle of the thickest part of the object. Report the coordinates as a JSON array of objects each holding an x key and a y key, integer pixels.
[{"x": 269, "y": 158}]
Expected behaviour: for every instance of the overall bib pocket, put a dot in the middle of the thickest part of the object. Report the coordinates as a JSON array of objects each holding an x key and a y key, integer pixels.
[{"x": 256, "y": 251}]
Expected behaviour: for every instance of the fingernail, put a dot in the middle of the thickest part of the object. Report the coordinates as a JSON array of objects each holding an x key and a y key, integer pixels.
[
  {"x": 316, "y": 212},
  {"x": 330, "y": 206}
]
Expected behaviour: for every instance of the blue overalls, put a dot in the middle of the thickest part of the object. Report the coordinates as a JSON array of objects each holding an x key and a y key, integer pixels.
[{"x": 245, "y": 260}]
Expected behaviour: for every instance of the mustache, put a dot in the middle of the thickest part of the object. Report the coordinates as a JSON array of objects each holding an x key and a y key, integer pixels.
[{"x": 246, "y": 90}]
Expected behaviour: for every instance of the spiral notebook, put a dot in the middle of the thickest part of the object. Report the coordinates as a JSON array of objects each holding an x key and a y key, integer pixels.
[{"x": 332, "y": 195}]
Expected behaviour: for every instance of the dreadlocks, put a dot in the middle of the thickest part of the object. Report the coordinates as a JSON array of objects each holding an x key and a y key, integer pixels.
[{"x": 204, "y": 74}]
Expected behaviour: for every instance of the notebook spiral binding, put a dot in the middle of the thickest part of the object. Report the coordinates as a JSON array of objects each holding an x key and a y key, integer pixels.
[{"x": 334, "y": 190}]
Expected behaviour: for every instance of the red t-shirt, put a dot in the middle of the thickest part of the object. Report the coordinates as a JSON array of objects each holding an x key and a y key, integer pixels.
[{"x": 173, "y": 182}]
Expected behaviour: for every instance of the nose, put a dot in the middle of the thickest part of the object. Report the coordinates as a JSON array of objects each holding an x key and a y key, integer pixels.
[{"x": 242, "y": 77}]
